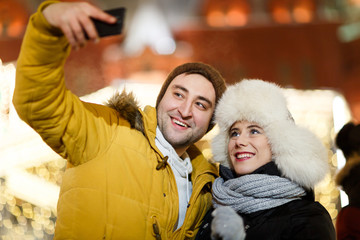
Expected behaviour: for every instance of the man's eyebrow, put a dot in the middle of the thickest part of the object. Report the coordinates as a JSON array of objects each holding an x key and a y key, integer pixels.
[
  {"x": 206, "y": 100},
  {"x": 199, "y": 97},
  {"x": 180, "y": 87}
]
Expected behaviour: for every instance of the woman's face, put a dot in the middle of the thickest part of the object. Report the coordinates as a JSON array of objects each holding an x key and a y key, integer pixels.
[{"x": 248, "y": 147}]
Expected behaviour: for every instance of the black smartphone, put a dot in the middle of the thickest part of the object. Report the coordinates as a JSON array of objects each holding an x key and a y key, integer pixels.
[{"x": 105, "y": 29}]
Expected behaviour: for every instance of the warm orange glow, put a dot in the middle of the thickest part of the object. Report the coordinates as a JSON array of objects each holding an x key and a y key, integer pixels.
[
  {"x": 354, "y": 2},
  {"x": 304, "y": 11},
  {"x": 13, "y": 18},
  {"x": 215, "y": 18},
  {"x": 302, "y": 15},
  {"x": 281, "y": 15},
  {"x": 15, "y": 28},
  {"x": 236, "y": 17}
]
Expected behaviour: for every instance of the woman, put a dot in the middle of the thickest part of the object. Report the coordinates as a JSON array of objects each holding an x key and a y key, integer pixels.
[
  {"x": 268, "y": 170},
  {"x": 348, "y": 220}
]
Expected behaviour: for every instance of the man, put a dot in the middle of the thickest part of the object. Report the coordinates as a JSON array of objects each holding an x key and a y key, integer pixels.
[{"x": 133, "y": 174}]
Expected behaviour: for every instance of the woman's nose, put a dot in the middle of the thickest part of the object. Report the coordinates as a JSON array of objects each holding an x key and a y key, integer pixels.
[{"x": 241, "y": 140}]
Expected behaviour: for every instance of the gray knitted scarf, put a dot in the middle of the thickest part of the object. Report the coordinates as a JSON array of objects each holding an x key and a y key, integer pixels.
[{"x": 254, "y": 192}]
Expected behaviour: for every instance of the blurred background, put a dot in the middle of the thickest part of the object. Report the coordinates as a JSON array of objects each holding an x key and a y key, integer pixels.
[{"x": 311, "y": 47}]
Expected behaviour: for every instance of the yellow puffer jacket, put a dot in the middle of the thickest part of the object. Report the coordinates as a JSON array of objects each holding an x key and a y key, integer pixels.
[{"x": 119, "y": 187}]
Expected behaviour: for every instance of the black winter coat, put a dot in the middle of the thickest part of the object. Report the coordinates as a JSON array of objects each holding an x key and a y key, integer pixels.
[{"x": 302, "y": 219}]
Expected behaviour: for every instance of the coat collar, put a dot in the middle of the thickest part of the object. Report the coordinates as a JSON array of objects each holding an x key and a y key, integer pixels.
[{"x": 145, "y": 121}]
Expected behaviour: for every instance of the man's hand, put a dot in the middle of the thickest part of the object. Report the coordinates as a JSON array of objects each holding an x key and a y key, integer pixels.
[
  {"x": 227, "y": 225},
  {"x": 73, "y": 18}
]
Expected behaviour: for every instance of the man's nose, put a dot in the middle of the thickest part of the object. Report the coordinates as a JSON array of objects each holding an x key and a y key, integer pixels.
[{"x": 185, "y": 109}]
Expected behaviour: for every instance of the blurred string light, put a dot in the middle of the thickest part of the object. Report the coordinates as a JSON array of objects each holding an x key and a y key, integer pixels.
[
  {"x": 231, "y": 13},
  {"x": 300, "y": 11},
  {"x": 238, "y": 13},
  {"x": 349, "y": 31},
  {"x": 281, "y": 14},
  {"x": 7, "y": 74},
  {"x": 31, "y": 173},
  {"x": 149, "y": 28},
  {"x": 324, "y": 112},
  {"x": 13, "y": 19},
  {"x": 354, "y": 2}
]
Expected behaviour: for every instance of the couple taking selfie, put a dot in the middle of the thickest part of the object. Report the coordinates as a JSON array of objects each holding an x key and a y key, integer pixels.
[{"x": 135, "y": 173}]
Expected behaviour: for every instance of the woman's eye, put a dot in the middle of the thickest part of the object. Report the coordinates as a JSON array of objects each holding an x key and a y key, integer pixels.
[
  {"x": 254, "y": 131},
  {"x": 234, "y": 134}
]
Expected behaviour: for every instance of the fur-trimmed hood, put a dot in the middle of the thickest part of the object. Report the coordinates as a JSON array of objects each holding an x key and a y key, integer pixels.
[
  {"x": 351, "y": 163},
  {"x": 348, "y": 179},
  {"x": 297, "y": 152},
  {"x": 128, "y": 108}
]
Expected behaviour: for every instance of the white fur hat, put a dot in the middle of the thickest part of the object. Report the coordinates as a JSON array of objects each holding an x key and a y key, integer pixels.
[{"x": 297, "y": 152}]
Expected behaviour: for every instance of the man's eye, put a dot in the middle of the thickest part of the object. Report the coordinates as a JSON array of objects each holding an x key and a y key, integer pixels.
[
  {"x": 178, "y": 95},
  {"x": 201, "y": 105}
]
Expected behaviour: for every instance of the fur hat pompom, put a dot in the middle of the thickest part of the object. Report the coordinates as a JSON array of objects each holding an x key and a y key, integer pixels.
[{"x": 297, "y": 152}]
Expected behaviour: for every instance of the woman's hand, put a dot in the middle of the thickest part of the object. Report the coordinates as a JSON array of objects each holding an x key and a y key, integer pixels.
[{"x": 227, "y": 225}]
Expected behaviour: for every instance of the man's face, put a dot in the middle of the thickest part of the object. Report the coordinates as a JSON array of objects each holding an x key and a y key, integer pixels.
[{"x": 185, "y": 111}]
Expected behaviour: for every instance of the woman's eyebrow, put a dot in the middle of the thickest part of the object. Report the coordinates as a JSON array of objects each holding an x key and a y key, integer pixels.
[{"x": 254, "y": 126}]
